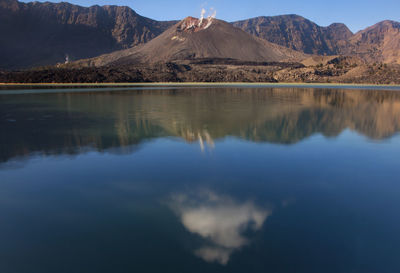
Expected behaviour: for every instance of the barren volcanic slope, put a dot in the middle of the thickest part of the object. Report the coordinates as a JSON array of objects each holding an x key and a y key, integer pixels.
[
  {"x": 35, "y": 34},
  {"x": 298, "y": 33},
  {"x": 196, "y": 39},
  {"x": 378, "y": 43}
]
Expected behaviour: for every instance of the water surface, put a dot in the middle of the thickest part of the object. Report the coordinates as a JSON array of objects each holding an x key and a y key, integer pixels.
[{"x": 200, "y": 180}]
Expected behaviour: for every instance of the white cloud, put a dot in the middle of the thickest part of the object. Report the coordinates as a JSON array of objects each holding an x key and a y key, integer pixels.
[
  {"x": 214, "y": 254},
  {"x": 220, "y": 220}
]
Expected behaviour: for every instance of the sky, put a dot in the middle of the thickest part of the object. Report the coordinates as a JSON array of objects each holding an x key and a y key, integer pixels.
[{"x": 356, "y": 14}]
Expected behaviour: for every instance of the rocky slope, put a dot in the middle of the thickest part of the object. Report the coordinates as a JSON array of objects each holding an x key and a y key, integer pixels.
[
  {"x": 298, "y": 33},
  {"x": 193, "y": 39},
  {"x": 331, "y": 70},
  {"x": 35, "y": 34},
  {"x": 378, "y": 43}
]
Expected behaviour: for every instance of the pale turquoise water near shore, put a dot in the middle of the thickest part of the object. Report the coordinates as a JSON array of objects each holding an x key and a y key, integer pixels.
[{"x": 200, "y": 179}]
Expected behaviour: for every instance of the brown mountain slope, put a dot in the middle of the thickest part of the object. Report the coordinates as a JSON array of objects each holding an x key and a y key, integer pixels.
[
  {"x": 196, "y": 39},
  {"x": 378, "y": 43},
  {"x": 34, "y": 34},
  {"x": 298, "y": 33}
]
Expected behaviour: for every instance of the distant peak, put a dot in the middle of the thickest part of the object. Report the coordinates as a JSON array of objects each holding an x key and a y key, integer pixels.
[
  {"x": 9, "y": 4},
  {"x": 389, "y": 23},
  {"x": 337, "y": 25},
  {"x": 381, "y": 26}
]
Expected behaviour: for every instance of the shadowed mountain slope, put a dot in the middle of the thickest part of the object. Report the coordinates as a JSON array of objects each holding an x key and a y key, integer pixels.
[{"x": 35, "y": 34}]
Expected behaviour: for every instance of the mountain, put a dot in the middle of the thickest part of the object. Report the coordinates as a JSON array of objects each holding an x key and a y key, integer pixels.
[
  {"x": 378, "y": 43},
  {"x": 35, "y": 34},
  {"x": 39, "y": 34},
  {"x": 198, "y": 39},
  {"x": 298, "y": 33}
]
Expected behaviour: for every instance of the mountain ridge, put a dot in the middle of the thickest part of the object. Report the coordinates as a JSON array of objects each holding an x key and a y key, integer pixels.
[
  {"x": 35, "y": 34},
  {"x": 377, "y": 43},
  {"x": 39, "y": 34},
  {"x": 296, "y": 32}
]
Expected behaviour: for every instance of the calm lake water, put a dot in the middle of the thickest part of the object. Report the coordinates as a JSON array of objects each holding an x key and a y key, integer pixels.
[{"x": 276, "y": 180}]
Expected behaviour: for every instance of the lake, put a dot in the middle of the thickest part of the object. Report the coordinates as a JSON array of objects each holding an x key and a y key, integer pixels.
[{"x": 200, "y": 179}]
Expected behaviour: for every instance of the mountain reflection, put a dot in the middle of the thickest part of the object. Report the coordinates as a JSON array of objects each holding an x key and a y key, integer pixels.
[
  {"x": 70, "y": 123},
  {"x": 220, "y": 221}
]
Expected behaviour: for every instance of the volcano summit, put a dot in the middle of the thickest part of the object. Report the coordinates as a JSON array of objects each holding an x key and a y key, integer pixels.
[{"x": 194, "y": 38}]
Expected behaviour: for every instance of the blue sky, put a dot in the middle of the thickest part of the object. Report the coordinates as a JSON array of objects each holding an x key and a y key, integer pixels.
[{"x": 355, "y": 14}]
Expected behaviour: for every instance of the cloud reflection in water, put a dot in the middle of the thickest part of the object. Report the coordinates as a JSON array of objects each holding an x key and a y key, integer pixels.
[{"x": 220, "y": 220}]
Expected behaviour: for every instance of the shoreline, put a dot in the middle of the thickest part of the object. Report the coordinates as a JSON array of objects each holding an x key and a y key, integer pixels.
[{"x": 205, "y": 84}]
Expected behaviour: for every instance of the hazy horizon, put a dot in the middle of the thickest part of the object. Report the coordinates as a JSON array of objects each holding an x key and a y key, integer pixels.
[{"x": 357, "y": 15}]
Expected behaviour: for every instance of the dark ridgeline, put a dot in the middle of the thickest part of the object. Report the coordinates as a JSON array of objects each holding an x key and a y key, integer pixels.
[{"x": 36, "y": 34}]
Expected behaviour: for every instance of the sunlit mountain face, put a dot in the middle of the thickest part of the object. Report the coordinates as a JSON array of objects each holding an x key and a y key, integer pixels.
[{"x": 199, "y": 180}]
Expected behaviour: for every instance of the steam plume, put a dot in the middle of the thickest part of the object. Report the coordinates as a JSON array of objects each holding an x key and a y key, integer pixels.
[
  {"x": 211, "y": 17},
  {"x": 203, "y": 12},
  {"x": 213, "y": 14}
]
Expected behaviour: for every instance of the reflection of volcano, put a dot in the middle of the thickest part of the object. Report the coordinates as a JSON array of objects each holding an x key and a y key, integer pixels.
[
  {"x": 65, "y": 123},
  {"x": 220, "y": 220}
]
